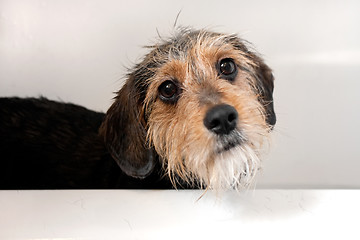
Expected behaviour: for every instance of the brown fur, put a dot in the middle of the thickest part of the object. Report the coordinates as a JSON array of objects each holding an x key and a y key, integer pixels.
[{"x": 140, "y": 128}]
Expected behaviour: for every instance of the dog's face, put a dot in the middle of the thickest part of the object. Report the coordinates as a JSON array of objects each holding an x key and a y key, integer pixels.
[{"x": 202, "y": 102}]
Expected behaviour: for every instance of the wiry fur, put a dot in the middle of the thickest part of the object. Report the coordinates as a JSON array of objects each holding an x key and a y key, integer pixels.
[
  {"x": 144, "y": 141},
  {"x": 176, "y": 132}
]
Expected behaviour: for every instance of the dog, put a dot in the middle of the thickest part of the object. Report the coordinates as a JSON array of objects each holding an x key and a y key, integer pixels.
[{"x": 196, "y": 112}]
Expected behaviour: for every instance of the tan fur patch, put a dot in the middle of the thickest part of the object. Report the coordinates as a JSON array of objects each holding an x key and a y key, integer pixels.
[{"x": 177, "y": 132}]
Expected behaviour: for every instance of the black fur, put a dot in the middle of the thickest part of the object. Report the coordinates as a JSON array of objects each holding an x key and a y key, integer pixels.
[{"x": 51, "y": 145}]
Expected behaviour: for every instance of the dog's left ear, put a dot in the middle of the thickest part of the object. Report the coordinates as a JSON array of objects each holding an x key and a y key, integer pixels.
[
  {"x": 265, "y": 80},
  {"x": 124, "y": 132}
]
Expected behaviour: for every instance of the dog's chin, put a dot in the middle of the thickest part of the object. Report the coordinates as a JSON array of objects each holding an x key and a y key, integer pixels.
[
  {"x": 225, "y": 143},
  {"x": 234, "y": 167}
]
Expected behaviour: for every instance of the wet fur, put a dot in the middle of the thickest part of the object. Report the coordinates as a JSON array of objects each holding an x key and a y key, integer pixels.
[{"x": 143, "y": 142}]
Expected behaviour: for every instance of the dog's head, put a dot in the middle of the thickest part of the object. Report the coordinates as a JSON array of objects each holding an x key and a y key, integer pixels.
[{"x": 202, "y": 103}]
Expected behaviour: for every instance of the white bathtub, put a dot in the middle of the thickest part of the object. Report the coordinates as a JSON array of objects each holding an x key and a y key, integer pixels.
[{"x": 127, "y": 214}]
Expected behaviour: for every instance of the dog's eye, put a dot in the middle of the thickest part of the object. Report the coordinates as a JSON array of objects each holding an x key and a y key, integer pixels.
[
  {"x": 227, "y": 69},
  {"x": 168, "y": 91}
]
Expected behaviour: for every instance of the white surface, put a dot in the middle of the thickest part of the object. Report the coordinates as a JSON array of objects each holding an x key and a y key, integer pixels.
[
  {"x": 259, "y": 214},
  {"x": 77, "y": 51}
]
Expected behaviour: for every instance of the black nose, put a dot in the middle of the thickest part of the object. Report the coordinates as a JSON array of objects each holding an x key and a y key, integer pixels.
[{"x": 221, "y": 119}]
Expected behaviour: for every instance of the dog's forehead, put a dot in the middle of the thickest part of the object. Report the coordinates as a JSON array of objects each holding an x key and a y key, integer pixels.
[
  {"x": 195, "y": 52},
  {"x": 194, "y": 43}
]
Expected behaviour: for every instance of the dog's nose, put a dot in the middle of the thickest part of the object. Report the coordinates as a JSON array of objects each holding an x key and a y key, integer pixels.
[{"x": 221, "y": 119}]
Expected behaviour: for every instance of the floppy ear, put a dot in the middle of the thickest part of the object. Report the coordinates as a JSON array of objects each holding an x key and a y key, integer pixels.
[
  {"x": 265, "y": 80},
  {"x": 125, "y": 134}
]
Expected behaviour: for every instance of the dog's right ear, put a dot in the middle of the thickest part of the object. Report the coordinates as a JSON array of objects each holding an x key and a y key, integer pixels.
[{"x": 124, "y": 133}]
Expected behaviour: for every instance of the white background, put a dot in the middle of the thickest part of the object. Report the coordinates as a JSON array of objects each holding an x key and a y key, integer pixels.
[{"x": 78, "y": 51}]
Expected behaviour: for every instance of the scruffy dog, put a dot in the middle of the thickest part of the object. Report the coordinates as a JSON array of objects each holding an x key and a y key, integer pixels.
[{"x": 194, "y": 113}]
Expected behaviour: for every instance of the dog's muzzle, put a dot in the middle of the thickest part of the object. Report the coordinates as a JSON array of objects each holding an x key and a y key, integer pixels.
[{"x": 221, "y": 119}]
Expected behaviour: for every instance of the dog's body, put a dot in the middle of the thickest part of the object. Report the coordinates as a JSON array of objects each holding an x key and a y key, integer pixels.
[
  {"x": 195, "y": 111},
  {"x": 52, "y": 145}
]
